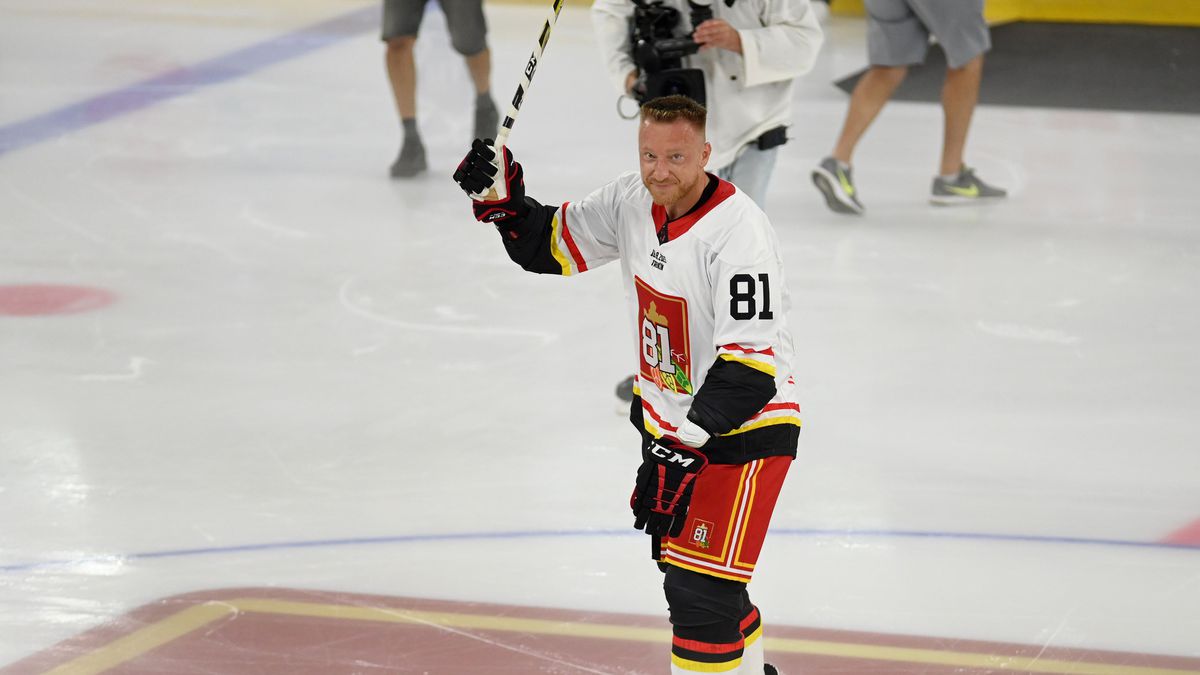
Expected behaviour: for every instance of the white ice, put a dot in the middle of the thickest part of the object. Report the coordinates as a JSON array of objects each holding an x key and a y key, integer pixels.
[{"x": 303, "y": 350}]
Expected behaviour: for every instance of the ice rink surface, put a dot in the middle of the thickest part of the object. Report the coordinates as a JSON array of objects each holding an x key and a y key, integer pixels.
[{"x": 263, "y": 363}]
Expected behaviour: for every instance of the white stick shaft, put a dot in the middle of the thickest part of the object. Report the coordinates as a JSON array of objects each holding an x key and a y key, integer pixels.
[{"x": 499, "y": 191}]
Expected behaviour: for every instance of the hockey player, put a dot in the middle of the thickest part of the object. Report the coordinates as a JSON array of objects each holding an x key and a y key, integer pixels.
[
  {"x": 750, "y": 52},
  {"x": 714, "y": 399}
]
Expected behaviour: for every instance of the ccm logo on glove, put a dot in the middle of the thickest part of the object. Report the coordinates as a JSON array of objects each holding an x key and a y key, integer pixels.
[{"x": 672, "y": 456}]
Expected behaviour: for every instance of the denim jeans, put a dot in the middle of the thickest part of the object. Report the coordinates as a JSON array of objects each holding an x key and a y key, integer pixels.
[{"x": 751, "y": 172}]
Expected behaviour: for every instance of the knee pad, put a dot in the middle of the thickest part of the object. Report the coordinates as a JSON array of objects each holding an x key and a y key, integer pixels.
[{"x": 704, "y": 608}]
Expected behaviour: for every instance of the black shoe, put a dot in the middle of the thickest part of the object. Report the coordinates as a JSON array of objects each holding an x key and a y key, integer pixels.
[
  {"x": 625, "y": 389},
  {"x": 769, "y": 669},
  {"x": 411, "y": 160},
  {"x": 487, "y": 118}
]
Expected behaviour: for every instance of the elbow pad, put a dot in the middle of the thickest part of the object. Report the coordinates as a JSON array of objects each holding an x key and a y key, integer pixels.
[{"x": 732, "y": 393}]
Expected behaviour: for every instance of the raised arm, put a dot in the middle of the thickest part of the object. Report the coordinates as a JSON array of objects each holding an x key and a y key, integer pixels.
[{"x": 536, "y": 236}]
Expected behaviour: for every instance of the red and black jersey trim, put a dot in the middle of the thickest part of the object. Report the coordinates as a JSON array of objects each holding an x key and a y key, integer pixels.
[
  {"x": 714, "y": 193},
  {"x": 706, "y": 652},
  {"x": 529, "y": 240}
]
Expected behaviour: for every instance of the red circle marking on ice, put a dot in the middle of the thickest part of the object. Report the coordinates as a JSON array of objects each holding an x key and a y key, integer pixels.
[
  {"x": 1188, "y": 535},
  {"x": 40, "y": 299}
]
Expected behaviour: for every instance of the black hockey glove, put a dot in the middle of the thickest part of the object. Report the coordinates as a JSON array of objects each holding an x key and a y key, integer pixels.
[
  {"x": 476, "y": 174},
  {"x": 664, "y": 486}
]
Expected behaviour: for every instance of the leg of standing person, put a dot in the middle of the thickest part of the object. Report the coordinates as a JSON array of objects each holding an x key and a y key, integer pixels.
[
  {"x": 401, "y": 22},
  {"x": 487, "y": 116},
  {"x": 896, "y": 39},
  {"x": 960, "y": 92},
  {"x": 716, "y": 627},
  {"x": 751, "y": 172},
  {"x": 468, "y": 36},
  {"x": 870, "y": 94},
  {"x": 963, "y": 34},
  {"x": 753, "y": 657},
  {"x": 705, "y": 613},
  {"x": 834, "y": 175}
]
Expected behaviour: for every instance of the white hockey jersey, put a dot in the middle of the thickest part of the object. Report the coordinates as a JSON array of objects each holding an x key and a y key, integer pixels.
[{"x": 714, "y": 290}]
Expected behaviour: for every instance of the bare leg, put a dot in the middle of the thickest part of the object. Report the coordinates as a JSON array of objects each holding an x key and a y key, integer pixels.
[
  {"x": 480, "y": 66},
  {"x": 960, "y": 93},
  {"x": 870, "y": 94},
  {"x": 402, "y": 73},
  {"x": 487, "y": 117}
]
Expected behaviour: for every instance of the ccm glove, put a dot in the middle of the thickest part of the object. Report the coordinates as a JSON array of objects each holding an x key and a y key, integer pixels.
[
  {"x": 476, "y": 174},
  {"x": 664, "y": 486}
]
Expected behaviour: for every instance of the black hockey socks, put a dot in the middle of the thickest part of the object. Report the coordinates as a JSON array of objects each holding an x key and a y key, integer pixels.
[
  {"x": 706, "y": 616},
  {"x": 752, "y": 654}
]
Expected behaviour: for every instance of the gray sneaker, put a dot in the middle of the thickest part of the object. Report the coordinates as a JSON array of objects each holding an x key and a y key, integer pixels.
[
  {"x": 487, "y": 118},
  {"x": 411, "y": 160},
  {"x": 966, "y": 188},
  {"x": 837, "y": 186}
]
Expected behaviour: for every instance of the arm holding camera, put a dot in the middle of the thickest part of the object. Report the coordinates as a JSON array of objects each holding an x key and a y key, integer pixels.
[
  {"x": 645, "y": 44},
  {"x": 610, "y": 23},
  {"x": 717, "y": 33}
]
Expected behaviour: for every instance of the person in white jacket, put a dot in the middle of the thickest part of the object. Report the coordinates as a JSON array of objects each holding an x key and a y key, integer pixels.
[{"x": 750, "y": 51}]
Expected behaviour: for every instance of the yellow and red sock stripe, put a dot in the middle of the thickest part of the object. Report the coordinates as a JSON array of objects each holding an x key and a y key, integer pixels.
[
  {"x": 751, "y": 626},
  {"x": 706, "y": 657}
]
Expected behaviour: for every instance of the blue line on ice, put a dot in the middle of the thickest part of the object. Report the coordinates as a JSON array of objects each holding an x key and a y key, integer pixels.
[
  {"x": 218, "y": 70},
  {"x": 542, "y": 534}
]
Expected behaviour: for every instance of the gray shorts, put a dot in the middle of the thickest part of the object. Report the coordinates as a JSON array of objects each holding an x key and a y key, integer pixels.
[
  {"x": 898, "y": 30},
  {"x": 464, "y": 19}
]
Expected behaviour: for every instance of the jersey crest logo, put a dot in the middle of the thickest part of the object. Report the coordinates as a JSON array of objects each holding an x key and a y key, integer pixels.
[
  {"x": 663, "y": 325},
  {"x": 701, "y": 533}
]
